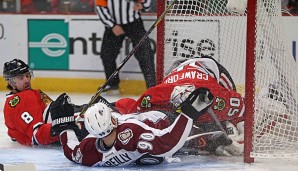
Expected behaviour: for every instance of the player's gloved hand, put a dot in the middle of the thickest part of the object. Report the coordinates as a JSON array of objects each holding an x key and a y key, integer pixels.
[
  {"x": 101, "y": 99},
  {"x": 80, "y": 108},
  {"x": 197, "y": 103},
  {"x": 62, "y": 114}
]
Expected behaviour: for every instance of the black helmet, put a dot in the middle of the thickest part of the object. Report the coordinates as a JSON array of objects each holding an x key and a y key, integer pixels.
[{"x": 14, "y": 68}]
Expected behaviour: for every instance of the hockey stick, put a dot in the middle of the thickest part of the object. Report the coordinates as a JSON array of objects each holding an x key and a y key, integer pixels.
[
  {"x": 100, "y": 90},
  {"x": 214, "y": 117},
  {"x": 202, "y": 134}
]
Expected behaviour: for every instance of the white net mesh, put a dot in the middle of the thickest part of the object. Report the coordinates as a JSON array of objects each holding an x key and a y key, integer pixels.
[
  {"x": 195, "y": 28},
  {"x": 275, "y": 130}
]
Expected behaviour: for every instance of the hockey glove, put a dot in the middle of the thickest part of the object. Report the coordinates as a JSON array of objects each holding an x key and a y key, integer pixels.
[
  {"x": 62, "y": 114},
  {"x": 80, "y": 108},
  {"x": 197, "y": 103},
  {"x": 101, "y": 99}
]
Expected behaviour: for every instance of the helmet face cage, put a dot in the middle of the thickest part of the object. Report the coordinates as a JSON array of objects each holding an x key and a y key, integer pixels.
[{"x": 15, "y": 68}]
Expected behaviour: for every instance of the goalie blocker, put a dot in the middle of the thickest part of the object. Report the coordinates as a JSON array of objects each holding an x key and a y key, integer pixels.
[{"x": 197, "y": 103}]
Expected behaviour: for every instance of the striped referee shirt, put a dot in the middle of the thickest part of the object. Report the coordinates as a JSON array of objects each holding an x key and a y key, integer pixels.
[{"x": 112, "y": 12}]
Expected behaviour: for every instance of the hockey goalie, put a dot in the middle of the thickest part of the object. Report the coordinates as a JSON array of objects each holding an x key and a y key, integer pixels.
[{"x": 220, "y": 96}]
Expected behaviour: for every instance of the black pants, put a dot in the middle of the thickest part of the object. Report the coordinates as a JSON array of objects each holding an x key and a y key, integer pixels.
[{"x": 112, "y": 44}]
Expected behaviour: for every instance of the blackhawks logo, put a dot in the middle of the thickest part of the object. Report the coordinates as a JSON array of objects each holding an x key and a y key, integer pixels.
[
  {"x": 13, "y": 102},
  {"x": 220, "y": 104},
  {"x": 146, "y": 102}
]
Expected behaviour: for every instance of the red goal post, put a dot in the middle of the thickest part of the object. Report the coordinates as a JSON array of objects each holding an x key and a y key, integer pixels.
[{"x": 248, "y": 39}]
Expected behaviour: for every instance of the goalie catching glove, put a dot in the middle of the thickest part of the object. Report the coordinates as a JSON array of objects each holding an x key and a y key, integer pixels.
[
  {"x": 62, "y": 114},
  {"x": 197, "y": 103}
]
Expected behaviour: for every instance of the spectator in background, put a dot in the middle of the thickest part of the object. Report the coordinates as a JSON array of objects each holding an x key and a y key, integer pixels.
[
  {"x": 8, "y": 6},
  {"x": 122, "y": 18},
  {"x": 27, "y": 6},
  {"x": 293, "y": 6},
  {"x": 42, "y": 5},
  {"x": 72, "y": 5},
  {"x": 35, "y": 6}
]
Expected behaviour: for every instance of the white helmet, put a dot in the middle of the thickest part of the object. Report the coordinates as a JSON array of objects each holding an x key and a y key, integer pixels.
[{"x": 98, "y": 120}]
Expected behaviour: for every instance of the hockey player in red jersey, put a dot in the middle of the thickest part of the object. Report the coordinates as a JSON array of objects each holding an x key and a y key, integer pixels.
[
  {"x": 121, "y": 140},
  {"x": 184, "y": 77},
  {"x": 24, "y": 109},
  {"x": 181, "y": 81}
]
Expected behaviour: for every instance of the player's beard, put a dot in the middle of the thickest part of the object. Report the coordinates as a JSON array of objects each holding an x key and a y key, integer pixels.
[{"x": 27, "y": 86}]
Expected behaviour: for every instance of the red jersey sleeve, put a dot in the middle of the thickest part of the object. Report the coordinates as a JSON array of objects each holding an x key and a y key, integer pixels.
[{"x": 126, "y": 105}]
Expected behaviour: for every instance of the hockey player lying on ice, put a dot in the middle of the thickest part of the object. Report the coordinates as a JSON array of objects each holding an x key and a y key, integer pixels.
[
  {"x": 169, "y": 96},
  {"x": 26, "y": 110},
  {"x": 120, "y": 140},
  {"x": 186, "y": 76}
]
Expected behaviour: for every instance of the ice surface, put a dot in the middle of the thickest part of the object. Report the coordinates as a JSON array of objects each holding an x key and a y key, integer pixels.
[{"x": 52, "y": 158}]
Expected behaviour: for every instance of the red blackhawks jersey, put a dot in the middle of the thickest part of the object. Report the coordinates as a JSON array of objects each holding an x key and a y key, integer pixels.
[
  {"x": 145, "y": 134},
  {"x": 24, "y": 117},
  {"x": 200, "y": 72}
]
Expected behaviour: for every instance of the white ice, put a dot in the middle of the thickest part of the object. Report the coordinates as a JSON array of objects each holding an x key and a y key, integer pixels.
[{"x": 52, "y": 158}]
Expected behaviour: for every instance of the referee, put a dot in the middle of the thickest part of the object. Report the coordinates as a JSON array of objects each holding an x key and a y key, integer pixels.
[{"x": 122, "y": 18}]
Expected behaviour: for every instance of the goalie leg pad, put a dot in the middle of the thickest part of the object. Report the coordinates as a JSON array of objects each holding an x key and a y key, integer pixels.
[{"x": 236, "y": 134}]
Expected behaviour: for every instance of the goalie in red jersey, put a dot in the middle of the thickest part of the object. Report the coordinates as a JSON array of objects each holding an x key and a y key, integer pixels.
[
  {"x": 186, "y": 76},
  {"x": 26, "y": 111}
]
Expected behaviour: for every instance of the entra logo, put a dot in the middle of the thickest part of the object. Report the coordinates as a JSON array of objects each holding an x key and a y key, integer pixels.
[{"x": 47, "y": 43}]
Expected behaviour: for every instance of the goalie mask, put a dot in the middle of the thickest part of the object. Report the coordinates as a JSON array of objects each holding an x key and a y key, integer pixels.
[{"x": 98, "y": 120}]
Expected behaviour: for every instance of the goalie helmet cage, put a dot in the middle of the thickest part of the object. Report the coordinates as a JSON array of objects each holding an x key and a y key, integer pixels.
[{"x": 251, "y": 44}]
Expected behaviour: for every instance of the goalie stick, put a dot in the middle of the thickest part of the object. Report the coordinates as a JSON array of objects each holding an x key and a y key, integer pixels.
[
  {"x": 214, "y": 117},
  {"x": 100, "y": 90},
  {"x": 202, "y": 134}
]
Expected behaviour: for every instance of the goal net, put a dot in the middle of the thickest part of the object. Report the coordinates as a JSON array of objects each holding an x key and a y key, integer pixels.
[{"x": 248, "y": 39}]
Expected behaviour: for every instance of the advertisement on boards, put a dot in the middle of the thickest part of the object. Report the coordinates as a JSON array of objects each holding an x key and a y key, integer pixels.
[{"x": 48, "y": 47}]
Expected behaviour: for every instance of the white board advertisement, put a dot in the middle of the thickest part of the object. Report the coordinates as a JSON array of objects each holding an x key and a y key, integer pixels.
[{"x": 69, "y": 45}]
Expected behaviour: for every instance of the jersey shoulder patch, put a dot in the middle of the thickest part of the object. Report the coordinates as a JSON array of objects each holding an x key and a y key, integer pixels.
[
  {"x": 125, "y": 136},
  {"x": 14, "y": 101}
]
